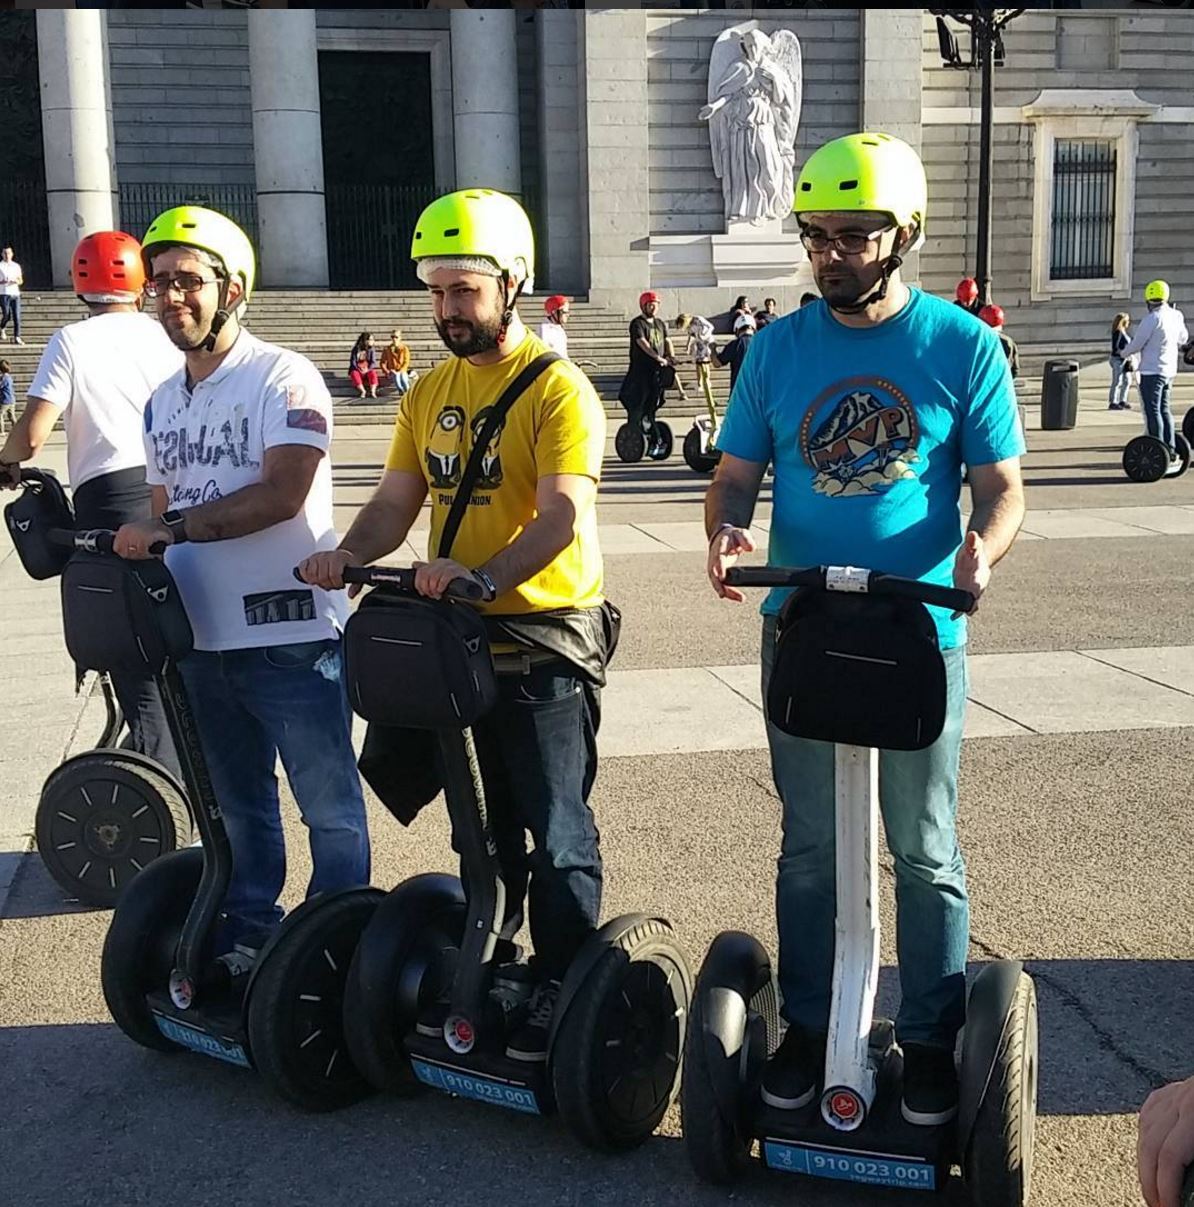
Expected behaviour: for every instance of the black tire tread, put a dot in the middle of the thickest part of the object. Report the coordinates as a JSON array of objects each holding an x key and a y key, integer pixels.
[
  {"x": 270, "y": 1016},
  {"x": 578, "y": 1099},
  {"x": 996, "y": 1161}
]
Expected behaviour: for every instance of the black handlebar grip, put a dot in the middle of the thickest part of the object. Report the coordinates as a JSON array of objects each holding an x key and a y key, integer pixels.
[{"x": 775, "y": 576}]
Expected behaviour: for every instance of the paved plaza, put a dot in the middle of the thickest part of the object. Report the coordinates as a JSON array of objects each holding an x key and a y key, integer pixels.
[{"x": 1075, "y": 819}]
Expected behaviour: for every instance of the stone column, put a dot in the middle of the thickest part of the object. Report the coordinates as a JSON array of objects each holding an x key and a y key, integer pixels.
[
  {"x": 288, "y": 148},
  {"x": 891, "y": 82},
  {"x": 76, "y": 120},
  {"x": 485, "y": 99},
  {"x": 560, "y": 150}
]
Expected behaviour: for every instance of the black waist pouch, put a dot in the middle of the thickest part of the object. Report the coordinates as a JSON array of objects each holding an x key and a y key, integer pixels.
[
  {"x": 123, "y": 616},
  {"x": 418, "y": 663},
  {"x": 41, "y": 505},
  {"x": 861, "y": 670}
]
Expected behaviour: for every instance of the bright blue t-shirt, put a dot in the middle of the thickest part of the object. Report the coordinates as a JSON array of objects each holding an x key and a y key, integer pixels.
[{"x": 868, "y": 429}]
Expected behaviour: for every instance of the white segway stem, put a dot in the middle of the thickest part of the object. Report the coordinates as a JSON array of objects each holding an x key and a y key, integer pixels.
[{"x": 849, "y": 1077}]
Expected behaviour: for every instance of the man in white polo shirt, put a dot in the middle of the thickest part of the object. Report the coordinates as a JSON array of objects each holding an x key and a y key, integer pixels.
[
  {"x": 98, "y": 375},
  {"x": 238, "y": 450}
]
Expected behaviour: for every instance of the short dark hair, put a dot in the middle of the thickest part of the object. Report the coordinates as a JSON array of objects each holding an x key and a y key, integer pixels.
[
  {"x": 805, "y": 298},
  {"x": 770, "y": 302},
  {"x": 3, "y": 366}
]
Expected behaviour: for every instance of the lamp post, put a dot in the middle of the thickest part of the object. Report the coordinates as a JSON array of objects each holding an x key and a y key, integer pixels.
[{"x": 986, "y": 53}]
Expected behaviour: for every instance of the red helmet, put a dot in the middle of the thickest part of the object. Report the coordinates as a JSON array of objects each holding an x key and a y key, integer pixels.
[
  {"x": 992, "y": 315},
  {"x": 967, "y": 290},
  {"x": 649, "y": 296},
  {"x": 557, "y": 301},
  {"x": 107, "y": 267}
]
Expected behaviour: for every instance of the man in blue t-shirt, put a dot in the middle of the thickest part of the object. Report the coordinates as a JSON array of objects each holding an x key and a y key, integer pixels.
[{"x": 868, "y": 403}]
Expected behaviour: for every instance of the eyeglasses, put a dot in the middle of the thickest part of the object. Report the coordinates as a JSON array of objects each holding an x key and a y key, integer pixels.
[
  {"x": 851, "y": 243},
  {"x": 180, "y": 282}
]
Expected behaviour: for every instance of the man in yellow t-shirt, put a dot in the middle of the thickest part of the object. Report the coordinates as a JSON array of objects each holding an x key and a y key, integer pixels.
[{"x": 529, "y": 537}]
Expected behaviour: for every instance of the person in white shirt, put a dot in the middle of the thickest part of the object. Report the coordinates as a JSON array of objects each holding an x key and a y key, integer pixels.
[
  {"x": 98, "y": 375},
  {"x": 238, "y": 445},
  {"x": 551, "y": 331},
  {"x": 11, "y": 280},
  {"x": 1159, "y": 339}
]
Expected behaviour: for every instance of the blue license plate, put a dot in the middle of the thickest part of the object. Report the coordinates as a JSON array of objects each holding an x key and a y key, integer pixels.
[
  {"x": 200, "y": 1041},
  {"x": 481, "y": 1089},
  {"x": 875, "y": 1169}
]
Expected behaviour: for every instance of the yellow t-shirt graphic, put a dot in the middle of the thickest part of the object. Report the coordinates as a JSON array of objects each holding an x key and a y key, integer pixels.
[{"x": 557, "y": 426}]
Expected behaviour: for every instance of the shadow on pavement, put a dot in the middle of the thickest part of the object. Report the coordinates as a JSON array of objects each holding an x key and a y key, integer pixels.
[{"x": 34, "y": 892}]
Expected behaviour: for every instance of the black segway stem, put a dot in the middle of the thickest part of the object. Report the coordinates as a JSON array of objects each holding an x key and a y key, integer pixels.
[
  {"x": 217, "y": 849},
  {"x": 987, "y": 1016}
]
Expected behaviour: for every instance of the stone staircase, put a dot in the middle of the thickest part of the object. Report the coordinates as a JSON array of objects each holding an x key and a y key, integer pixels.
[{"x": 323, "y": 326}]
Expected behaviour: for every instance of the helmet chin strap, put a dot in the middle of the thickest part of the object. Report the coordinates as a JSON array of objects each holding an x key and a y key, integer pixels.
[
  {"x": 222, "y": 315},
  {"x": 880, "y": 291},
  {"x": 508, "y": 304}
]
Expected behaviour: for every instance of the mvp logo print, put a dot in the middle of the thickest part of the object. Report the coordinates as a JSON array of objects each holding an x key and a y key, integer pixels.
[{"x": 864, "y": 439}]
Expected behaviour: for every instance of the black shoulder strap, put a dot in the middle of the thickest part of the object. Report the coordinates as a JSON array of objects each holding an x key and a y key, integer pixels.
[{"x": 492, "y": 421}]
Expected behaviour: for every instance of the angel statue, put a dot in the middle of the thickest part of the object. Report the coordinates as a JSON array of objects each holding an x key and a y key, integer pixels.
[{"x": 753, "y": 111}]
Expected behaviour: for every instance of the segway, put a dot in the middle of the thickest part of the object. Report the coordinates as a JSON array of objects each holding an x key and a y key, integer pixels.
[
  {"x": 106, "y": 813},
  {"x": 1146, "y": 458},
  {"x": 857, "y": 664},
  {"x": 617, "y": 1034},
  {"x": 161, "y": 983},
  {"x": 652, "y": 438},
  {"x": 1188, "y": 426},
  {"x": 701, "y": 454}
]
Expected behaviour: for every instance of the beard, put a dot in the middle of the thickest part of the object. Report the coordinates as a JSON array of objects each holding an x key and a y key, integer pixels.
[
  {"x": 186, "y": 335},
  {"x": 481, "y": 336},
  {"x": 843, "y": 288}
]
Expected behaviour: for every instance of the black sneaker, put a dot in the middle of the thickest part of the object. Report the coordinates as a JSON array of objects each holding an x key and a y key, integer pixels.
[
  {"x": 930, "y": 1085},
  {"x": 529, "y": 1042},
  {"x": 792, "y": 1075}
]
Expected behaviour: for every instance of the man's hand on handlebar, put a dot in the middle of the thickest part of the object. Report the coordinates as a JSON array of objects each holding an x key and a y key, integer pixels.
[
  {"x": 432, "y": 578},
  {"x": 972, "y": 570},
  {"x": 134, "y": 541},
  {"x": 725, "y": 547},
  {"x": 1165, "y": 1142},
  {"x": 326, "y": 570}
]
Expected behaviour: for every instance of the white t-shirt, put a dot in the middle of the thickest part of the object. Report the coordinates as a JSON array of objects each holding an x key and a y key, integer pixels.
[
  {"x": 10, "y": 274},
  {"x": 554, "y": 336},
  {"x": 206, "y": 443},
  {"x": 1160, "y": 337},
  {"x": 101, "y": 372}
]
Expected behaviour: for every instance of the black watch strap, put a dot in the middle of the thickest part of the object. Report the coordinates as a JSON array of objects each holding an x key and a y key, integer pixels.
[{"x": 176, "y": 522}]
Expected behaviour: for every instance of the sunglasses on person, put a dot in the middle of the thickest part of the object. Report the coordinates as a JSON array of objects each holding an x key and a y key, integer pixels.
[{"x": 179, "y": 282}]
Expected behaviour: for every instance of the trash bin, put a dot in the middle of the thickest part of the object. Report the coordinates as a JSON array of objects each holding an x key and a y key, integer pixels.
[{"x": 1059, "y": 395}]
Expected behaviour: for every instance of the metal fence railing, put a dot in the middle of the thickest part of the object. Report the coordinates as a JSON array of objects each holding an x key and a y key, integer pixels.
[
  {"x": 141, "y": 203},
  {"x": 25, "y": 227},
  {"x": 1083, "y": 225}
]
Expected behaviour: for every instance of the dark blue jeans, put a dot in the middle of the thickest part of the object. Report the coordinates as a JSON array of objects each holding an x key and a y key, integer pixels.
[
  {"x": 1154, "y": 397},
  {"x": 250, "y": 707},
  {"x": 10, "y": 311},
  {"x": 538, "y": 755}
]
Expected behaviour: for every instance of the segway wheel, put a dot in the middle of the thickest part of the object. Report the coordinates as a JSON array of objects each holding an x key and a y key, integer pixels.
[
  {"x": 697, "y": 461},
  {"x": 103, "y": 816},
  {"x": 997, "y": 1164},
  {"x": 404, "y": 960},
  {"x": 615, "y": 1059},
  {"x": 667, "y": 441},
  {"x": 141, "y": 941},
  {"x": 1188, "y": 426},
  {"x": 1145, "y": 459},
  {"x": 630, "y": 444},
  {"x": 1183, "y": 456},
  {"x": 296, "y": 1019}
]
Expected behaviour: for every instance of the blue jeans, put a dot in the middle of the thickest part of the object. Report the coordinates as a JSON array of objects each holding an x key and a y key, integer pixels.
[
  {"x": 1121, "y": 379},
  {"x": 1154, "y": 397},
  {"x": 538, "y": 754},
  {"x": 10, "y": 311},
  {"x": 251, "y": 706},
  {"x": 400, "y": 382},
  {"x": 918, "y": 793}
]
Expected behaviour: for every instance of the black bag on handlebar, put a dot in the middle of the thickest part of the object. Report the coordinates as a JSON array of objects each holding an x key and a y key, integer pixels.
[
  {"x": 41, "y": 505},
  {"x": 418, "y": 663},
  {"x": 862, "y": 670},
  {"x": 121, "y": 615}
]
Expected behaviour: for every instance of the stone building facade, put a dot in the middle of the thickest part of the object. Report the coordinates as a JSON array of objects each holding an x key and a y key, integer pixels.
[{"x": 591, "y": 116}]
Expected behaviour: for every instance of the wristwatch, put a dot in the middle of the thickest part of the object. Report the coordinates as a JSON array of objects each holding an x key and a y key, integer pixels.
[
  {"x": 176, "y": 521},
  {"x": 491, "y": 591}
]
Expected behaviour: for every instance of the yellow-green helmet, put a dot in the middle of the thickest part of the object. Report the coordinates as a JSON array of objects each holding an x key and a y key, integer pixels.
[
  {"x": 867, "y": 171},
  {"x": 1156, "y": 291},
  {"x": 194, "y": 226},
  {"x": 482, "y": 223}
]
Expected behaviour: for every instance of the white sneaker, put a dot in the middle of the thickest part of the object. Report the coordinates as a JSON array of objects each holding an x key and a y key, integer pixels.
[{"x": 20, "y": 341}]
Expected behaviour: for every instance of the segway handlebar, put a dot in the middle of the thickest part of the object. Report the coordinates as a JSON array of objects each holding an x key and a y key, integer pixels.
[
  {"x": 403, "y": 578},
  {"x": 850, "y": 578},
  {"x": 94, "y": 540}
]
